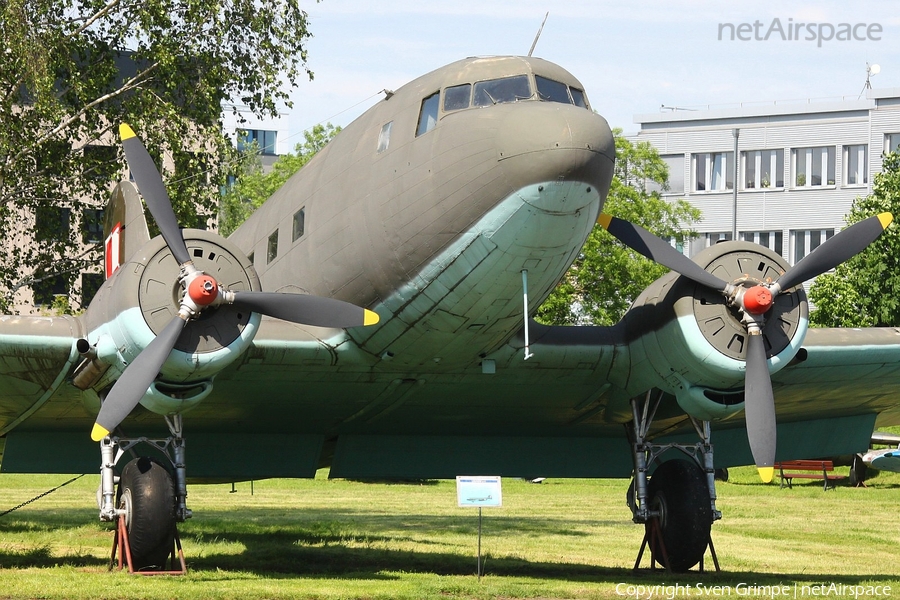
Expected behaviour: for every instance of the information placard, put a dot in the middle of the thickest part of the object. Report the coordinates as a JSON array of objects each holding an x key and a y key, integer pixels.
[{"x": 478, "y": 490}]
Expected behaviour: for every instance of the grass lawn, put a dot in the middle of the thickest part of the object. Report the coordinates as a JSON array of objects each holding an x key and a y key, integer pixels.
[{"x": 348, "y": 539}]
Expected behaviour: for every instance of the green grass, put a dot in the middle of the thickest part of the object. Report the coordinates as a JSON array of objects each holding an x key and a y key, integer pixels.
[{"x": 348, "y": 539}]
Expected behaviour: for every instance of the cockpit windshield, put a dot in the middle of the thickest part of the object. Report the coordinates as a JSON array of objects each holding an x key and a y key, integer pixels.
[
  {"x": 506, "y": 89},
  {"x": 498, "y": 91},
  {"x": 555, "y": 91}
]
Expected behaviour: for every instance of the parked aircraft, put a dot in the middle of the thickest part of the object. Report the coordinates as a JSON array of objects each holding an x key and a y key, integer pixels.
[
  {"x": 884, "y": 459},
  {"x": 449, "y": 211}
]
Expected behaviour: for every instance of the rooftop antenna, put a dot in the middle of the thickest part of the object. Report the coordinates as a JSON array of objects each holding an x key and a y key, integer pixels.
[
  {"x": 534, "y": 43},
  {"x": 870, "y": 71}
]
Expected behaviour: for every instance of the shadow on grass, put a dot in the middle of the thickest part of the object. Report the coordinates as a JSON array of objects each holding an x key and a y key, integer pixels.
[
  {"x": 332, "y": 548},
  {"x": 42, "y": 557}
]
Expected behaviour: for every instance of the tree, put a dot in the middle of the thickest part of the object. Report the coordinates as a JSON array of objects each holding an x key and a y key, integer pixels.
[
  {"x": 864, "y": 291},
  {"x": 72, "y": 70},
  {"x": 254, "y": 186},
  {"x": 606, "y": 276}
]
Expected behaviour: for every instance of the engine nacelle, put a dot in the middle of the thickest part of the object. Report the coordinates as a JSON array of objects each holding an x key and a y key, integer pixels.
[
  {"x": 134, "y": 306},
  {"x": 690, "y": 343}
]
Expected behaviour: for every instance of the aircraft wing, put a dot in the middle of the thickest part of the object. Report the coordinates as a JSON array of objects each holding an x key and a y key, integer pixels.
[{"x": 36, "y": 355}]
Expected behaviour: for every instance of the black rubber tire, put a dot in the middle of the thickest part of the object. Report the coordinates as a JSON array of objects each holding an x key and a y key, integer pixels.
[
  {"x": 147, "y": 493},
  {"x": 858, "y": 471},
  {"x": 679, "y": 490}
]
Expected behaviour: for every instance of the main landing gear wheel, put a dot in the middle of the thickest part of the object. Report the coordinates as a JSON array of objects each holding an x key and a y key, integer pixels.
[
  {"x": 679, "y": 491},
  {"x": 147, "y": 495}
]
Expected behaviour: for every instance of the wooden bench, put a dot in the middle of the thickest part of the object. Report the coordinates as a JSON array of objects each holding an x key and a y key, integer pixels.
[{"x": 812, "y": 469}]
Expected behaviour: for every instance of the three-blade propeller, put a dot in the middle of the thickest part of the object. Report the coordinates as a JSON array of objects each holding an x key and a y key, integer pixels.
[
  {"x": 201, "y": 292},
  {"x": 754, "y": 303}
]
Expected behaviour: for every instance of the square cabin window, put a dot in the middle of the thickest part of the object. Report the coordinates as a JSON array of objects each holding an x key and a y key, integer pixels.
[
  {"x": 429, "y": 114},
  {"x": 272, "y": 247},
  {"x": 299, "y": 224},
  {"x": 384, "y": 138}
]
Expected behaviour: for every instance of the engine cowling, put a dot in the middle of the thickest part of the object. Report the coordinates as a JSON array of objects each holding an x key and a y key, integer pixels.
[
  {"x": 133, "y": 307},
  {"x": 693, "y": 344}
]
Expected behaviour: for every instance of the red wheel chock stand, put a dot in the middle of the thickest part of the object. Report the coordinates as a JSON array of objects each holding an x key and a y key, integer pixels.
[
  {"x": 653, "y": 536},
  {"x": 121, "y": 542}
]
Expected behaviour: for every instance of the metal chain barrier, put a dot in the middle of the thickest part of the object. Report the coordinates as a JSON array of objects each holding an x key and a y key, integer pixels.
[{"x": 38, "y": 497}]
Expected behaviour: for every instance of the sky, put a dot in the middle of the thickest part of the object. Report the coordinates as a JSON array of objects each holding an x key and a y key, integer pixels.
[{"x": 632, "y": 57}]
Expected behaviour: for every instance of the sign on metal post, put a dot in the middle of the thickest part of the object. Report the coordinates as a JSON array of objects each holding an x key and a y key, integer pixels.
[{"x": 479, "y": 491}]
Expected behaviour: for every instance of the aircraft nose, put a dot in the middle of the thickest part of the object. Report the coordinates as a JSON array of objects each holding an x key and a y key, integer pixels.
[{"x": 542, "y": 142}]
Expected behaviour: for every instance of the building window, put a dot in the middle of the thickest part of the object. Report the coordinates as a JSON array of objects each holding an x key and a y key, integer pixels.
[
  {"x": 51, "y": 223},
  {"x": 90, "y": 283},
  {"x": 92, "y": 225},
  {"x": 763, "y": 169},
  {"x": 813, "y": 166},
  {"x": 806, "y": 241},
  {"x": 299, "y": 224},
  {"x": 47, "y": 288},
  {"x": 705, "y": 240},
  {"x": 100, "y": 162},
  {"x": 384, "y": 138},
  {"x": 891, "y": 142},
  {"x": 769, "y": 239},
  {"x": 675, "y": 164},
  {"x": 713, "y": 171},
  {"x": 429, "y": 114},
  {"x": 265, "y": 140},
  {"x": 855, "y": 165},
  {"x": 272, "y": 247},
  {"x": 53, "y": 157},
  {"x": 457, "y": 97}
]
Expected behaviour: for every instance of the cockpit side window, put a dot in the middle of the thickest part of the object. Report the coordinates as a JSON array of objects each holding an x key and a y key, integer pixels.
[
  {"x": 578, "y": 97},
  {"x": 457, "y": 97},
  {"x": 429, "y": 113},
  {"x": 552, "y": 91},
  {"x": 497, "y": 91}
]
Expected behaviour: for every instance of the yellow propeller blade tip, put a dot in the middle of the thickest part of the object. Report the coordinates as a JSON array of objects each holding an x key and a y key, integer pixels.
[
  {"x": 99, "y": 432},
  {"x": 766, "y": 473},
  {"x": 370, "y": 317},
  {"x": 885, "y": 219},
  {"x": 604, "y": 220},
  {"x": 126, "y": 132}
]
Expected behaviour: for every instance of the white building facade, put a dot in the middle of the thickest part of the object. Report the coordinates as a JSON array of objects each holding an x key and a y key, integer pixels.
[{"x": 800, "y": 165}]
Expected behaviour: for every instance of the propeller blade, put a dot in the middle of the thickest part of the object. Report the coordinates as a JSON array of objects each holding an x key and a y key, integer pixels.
[
  {"x": 150, "y": 183},
  {"x": 833, "y": 252},
  {"x": 642, "y": 241},
  {"x": 759, "y": 407},
  {"x": 305, "y": 309},
  {"x": 133, "y": 384}
]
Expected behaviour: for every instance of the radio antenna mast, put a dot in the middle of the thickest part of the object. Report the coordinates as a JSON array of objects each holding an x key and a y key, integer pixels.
[{"x": 533, "y": 44}]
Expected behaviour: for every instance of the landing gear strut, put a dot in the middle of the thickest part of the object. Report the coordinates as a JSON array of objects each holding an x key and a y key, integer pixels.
[
  {"x": 677, "y": 505},
  {"x": 149, "y": 499}
]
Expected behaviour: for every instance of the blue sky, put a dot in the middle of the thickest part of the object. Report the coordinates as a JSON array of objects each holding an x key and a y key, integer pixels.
[{"x": 631, "y": 56}]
